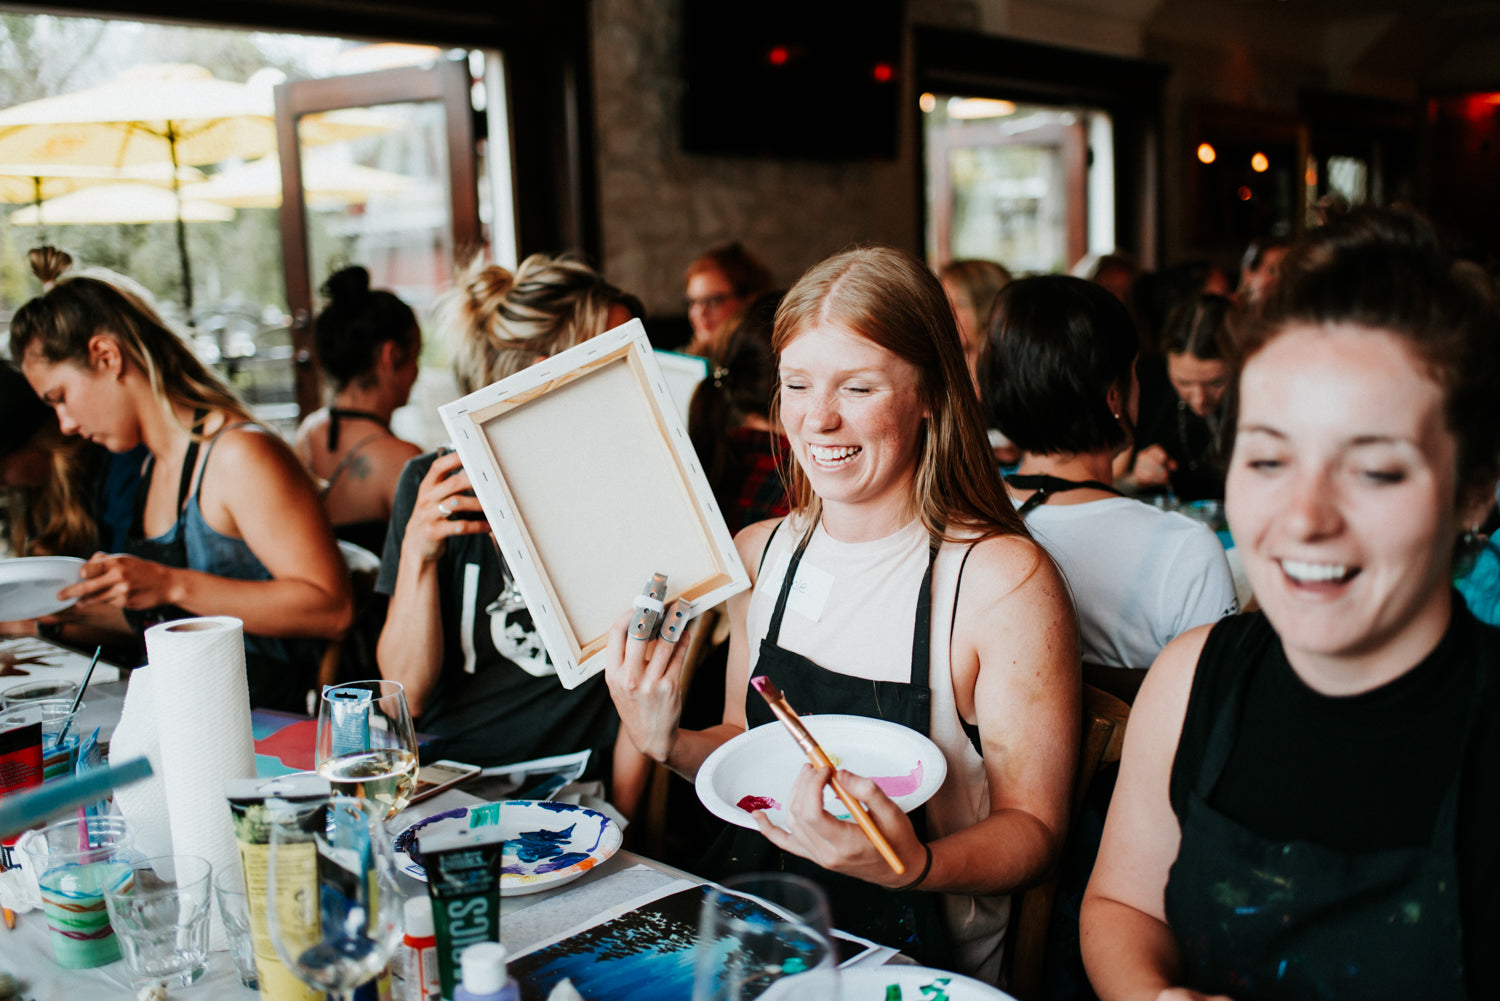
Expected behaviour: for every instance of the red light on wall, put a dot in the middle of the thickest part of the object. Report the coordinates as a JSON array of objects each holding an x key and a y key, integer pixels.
[
  {"x": 778, "y": 55},
  {"x": 883, "y": 72}
]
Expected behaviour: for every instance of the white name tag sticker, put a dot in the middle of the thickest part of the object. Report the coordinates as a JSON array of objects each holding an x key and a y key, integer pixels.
[{"x": 810, "y": 589}]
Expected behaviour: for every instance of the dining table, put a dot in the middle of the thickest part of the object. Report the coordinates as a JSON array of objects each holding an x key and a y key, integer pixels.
[{"x": 526, "y": 921}]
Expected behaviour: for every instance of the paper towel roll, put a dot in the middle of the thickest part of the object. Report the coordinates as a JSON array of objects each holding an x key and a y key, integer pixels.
[
  {"x": 202, "y": 701},
  {"x": 143, "y": 804}
]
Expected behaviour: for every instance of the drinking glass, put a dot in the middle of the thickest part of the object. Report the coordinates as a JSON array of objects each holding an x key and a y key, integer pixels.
[
  {"x": 234, "y": 909},
  {"x": 73, "y": 860},
  {"x": 59, "y": 731},
  {"x": 159, "y": 909},
  {"x": 765, "y": 934},
  {"x": 30, "y": 691},
  {"x": 333, "y": 903},
  {"x": 366, "y": 745}
]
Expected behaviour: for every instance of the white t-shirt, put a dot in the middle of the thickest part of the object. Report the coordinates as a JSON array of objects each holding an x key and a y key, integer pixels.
[{"x": 1139, "y": 575}]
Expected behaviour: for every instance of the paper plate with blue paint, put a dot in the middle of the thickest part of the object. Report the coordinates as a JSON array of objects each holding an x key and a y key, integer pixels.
[
  {"x": 754, "y": 771},
  {"x": 546, "y": 844},
  {"x": 913, "y": 983}
]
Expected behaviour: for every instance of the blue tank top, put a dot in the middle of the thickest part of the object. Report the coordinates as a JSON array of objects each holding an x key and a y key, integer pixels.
[{"x": 280, "y": 670}]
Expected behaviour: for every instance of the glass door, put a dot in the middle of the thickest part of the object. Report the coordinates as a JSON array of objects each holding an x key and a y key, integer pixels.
[{"x": 384, "y": 176}]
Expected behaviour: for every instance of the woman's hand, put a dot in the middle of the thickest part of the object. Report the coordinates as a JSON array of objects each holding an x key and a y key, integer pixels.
[
  {"x": 122, "y": 581},
  {"x": 443, "y": 495},
  {"x": 1153, "y": 467},
  {"x": 645, "y": 680},
  {"x": 1183, "y": 994},
  {"x": 841, "y": 846}
]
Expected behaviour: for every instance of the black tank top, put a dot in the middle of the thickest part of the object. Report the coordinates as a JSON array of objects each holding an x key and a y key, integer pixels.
[{"x": 1362, "y": 774}]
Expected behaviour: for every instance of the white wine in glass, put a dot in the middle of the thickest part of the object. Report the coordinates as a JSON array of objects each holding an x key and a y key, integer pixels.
[{"x": 366, "y": 745}]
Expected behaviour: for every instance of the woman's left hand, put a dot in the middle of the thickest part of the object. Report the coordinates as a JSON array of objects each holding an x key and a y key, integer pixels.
[
  {"x": 122, "y": 581},
  {"x": 842, "y": 846}
]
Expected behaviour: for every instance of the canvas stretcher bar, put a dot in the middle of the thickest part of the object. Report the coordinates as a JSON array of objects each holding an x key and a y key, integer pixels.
[{"x": 584, "y": 469}]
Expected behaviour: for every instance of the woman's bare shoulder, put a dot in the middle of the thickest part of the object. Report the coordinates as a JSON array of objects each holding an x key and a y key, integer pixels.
[
  {"x": 1001, "y": 564},
  {"x": 751, "y": 542}
]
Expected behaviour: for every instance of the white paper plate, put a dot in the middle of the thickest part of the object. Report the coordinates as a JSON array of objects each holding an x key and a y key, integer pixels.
[
  {"x": 546, "y": 844},
  {"x": 758, "y": 766},
  {"x": 29, "y": 585},
  {"x": 917, "y": 983}
]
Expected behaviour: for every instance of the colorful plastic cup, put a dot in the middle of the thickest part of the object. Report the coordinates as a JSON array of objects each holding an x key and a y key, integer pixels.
[{"x": 77, "y": 858}]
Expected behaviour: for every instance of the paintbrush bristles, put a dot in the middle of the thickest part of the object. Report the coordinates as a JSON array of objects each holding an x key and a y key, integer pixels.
[{"x": 766, "y": 687}]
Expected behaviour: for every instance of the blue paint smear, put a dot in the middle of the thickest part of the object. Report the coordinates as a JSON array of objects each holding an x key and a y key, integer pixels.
[
  {"x": 533, "y": 846},
  {"x": 561, "y": 862}
]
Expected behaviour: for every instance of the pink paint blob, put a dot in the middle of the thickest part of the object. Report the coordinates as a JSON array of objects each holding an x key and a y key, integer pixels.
[
  {"x": 896, "y": 786},
  {"x": 752, "y": 803}
]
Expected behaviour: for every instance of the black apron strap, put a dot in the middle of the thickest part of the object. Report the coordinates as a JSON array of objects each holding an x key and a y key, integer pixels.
[
  {"x": 337, "y": 413},
  {"x": 1045, "y": 486}
]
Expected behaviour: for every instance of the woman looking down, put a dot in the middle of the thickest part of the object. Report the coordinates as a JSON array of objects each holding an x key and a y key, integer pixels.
[
  {"x": 940, "y": 614},
  {"x": 227, "y": 522}
]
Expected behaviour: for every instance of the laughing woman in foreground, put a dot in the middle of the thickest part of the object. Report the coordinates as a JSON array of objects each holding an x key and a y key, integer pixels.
[
  {"x": 937, "y": 611},
  {"x": 1307, "y": 804}
]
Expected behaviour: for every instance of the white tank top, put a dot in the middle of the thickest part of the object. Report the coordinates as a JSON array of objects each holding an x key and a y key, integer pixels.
[{"x": 852, "y": 610}]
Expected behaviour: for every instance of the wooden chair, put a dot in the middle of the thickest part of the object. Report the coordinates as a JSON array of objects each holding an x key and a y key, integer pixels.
[
  {"x": 1104, "y": 718},
  {"x": 364, "y": 569}
]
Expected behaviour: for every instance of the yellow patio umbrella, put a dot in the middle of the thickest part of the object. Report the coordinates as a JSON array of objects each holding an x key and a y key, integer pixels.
[
  {"x": 164, "y": 113},
  {"x": 35, "y": 182},
  {"x": 105, "y": 204},
  {"x": 326, "y": 183}
]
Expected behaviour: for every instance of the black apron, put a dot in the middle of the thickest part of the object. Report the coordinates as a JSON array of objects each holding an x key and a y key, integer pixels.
[
  {"x": 911, "y": 921},
  {"x": 1256, "y": 918}
]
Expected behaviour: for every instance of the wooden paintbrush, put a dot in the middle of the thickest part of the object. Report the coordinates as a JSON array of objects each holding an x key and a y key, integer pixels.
[{"x": 816, "y": 755}]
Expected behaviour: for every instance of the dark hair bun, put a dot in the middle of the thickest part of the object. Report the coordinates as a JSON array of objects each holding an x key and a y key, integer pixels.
[{"x": 347, "y": 287}]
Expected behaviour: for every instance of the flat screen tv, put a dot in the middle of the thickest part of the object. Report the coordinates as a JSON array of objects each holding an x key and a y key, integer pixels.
[{"x": 815, "y": 79}]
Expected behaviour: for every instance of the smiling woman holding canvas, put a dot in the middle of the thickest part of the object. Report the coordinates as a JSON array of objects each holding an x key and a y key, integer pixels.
[
  {"x": 921, "y": 600},
  {"x": 458, "y": 634}
]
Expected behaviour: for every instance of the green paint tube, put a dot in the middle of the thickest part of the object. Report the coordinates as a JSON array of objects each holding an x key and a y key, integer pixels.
[{"x": 463, "y": 880}]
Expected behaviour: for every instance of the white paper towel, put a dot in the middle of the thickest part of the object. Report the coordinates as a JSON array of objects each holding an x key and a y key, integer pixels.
[
  {"x": 202, "y": 703},
  {"x": 143, "y": 804}
]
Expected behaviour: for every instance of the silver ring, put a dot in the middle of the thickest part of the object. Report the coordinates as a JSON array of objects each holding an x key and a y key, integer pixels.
[{"x": 445, "y": 509}]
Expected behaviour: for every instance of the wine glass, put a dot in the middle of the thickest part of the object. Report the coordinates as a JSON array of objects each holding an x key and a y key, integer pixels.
[
  {"x": 366, "y": 745},
  {"x": 765, "y": 934},
  {"x": 334, "y": 905}
]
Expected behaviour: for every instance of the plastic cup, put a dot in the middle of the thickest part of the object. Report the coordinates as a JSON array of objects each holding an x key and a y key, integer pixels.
[
  {"x": 31, "y": 691},
  {"x": 234, "y": 908},
  {"x": 159, "y": 908},
  {"x": 76, "y": 858},
  {"x": 59, "y": 731}
]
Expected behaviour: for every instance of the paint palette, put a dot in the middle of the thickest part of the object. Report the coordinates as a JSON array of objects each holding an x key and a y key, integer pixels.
[
  {"x": 546, "y": 844},
  {"x": 754, "y": 771},
  {"x": 913, "y": 983}
]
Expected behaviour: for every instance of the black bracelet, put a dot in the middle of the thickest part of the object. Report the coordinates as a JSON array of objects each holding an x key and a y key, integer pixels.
[
  {"x": 920, "y": 876},
  {"x": 49, "y": 631}
]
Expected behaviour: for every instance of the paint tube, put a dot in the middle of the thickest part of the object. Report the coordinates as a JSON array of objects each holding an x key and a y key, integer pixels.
[
  {"x": 463, "y": 880},
  {"x": 253, "y": 802}
]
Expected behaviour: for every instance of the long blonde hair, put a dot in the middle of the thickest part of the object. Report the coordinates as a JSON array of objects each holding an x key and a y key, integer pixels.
[
  {"x": 889, "y": 297},
  {"x": 503, "y": 322},
  {"x": 60, "y": 323}
]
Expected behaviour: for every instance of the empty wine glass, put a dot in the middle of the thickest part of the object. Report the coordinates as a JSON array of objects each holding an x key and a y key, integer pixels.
[
  {"x": 333, "y": 903},
  {"x": 765, "y": 934},
  {"x": 366, "y": 744}
]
